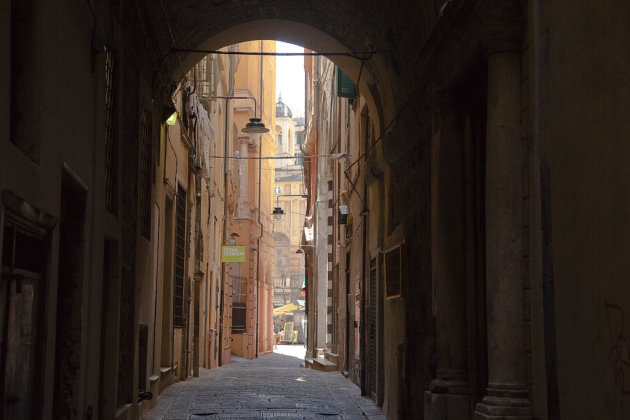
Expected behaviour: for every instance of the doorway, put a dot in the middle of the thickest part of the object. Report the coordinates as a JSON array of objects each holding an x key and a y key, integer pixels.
[
  {"x": 69, "y": 297},
  {"x": 24, "y": 252}
]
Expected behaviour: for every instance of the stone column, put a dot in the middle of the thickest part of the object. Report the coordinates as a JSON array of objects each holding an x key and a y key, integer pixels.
[
  {"x": 448, "y": 395},
  {"x": 507, "y": 392}
]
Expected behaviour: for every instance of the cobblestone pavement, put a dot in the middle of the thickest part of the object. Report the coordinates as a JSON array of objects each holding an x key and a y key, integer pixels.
[{"x": 271, "y": 386}]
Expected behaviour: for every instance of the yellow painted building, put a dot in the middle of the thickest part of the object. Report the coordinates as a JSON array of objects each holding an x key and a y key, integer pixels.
[{"x": 252, "y": 280}]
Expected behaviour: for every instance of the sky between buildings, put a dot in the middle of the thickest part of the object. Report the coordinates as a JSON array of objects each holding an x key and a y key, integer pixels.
[{"x": 290, "y": 78}]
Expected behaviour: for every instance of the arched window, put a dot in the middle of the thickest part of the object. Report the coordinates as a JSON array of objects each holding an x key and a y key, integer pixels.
[{"x": 280, "y": 139}]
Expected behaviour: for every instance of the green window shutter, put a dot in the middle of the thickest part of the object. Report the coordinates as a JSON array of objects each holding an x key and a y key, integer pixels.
[{"x": 345, "y": 86}]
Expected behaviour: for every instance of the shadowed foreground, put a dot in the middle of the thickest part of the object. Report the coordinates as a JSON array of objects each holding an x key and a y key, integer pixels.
[{"x": 272, "y": 386}]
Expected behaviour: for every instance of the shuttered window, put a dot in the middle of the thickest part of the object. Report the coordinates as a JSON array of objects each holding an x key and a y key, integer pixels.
[
  {"x": 372, "y": 326},
  {"x": 393, "y": 272},
  {"x": 239, "y": 302},
  {"x": 111, "y": 139},
  {"x": 345, "y": 85},
  {"x": 144, "y": 174},
  {"x": 180, "y": 255}
]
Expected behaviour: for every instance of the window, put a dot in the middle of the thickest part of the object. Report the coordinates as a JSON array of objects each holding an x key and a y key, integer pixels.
[
  {"x": 111, "y": 139},
  {"x": 180, "y": 251},
  {"x": 393, "y": 263},
  {"x": 239, "y": 302},
  {"x": 201, "y": 74},
  {"x": 277, "y": 190},
  {"x": 280, "y": 139},
  {"x": 24, "y": 81},
  {"x": 145, "y": 173},
  {"x": 345, "y": 85}
]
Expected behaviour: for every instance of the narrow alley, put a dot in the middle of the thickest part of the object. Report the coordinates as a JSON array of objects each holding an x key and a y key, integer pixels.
[
  {"x": 429, "y": 199},
  {"x": 271, "y": 386}
]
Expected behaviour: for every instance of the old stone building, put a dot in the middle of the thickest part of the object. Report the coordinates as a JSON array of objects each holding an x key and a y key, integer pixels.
[
  {"x": 490, "y": 156},
  {"x": 252, "y": 280},
  {"x": 290, "y": 206}
]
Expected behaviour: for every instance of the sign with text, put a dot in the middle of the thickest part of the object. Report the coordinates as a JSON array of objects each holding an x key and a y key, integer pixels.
[{"x": 233, "y": 253}]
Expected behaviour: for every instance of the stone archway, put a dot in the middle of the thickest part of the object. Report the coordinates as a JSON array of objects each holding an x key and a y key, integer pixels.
[
  {"x": 414, "y": 62},
  {"x": 299, "y": 34},
  {"x": 393, "y": 31}
]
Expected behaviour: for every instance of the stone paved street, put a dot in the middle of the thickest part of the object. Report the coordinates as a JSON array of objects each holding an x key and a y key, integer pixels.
[{"x": 272, "y": 386}]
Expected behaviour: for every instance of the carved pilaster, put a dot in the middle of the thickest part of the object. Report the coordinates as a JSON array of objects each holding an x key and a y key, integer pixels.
[
  {"x": 448, "y": 397},
  {"x": 507, "y": 392}
]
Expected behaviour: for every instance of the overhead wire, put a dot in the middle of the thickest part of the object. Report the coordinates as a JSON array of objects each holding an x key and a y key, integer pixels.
[
  {"x": 358, "y": 55},
  {"x": 268, "y": 157}
]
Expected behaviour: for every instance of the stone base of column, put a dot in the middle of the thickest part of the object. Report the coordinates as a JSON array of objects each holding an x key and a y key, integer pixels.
[
  {"x": 446, "y": 406},
  {"x": 504, "y": 403}
]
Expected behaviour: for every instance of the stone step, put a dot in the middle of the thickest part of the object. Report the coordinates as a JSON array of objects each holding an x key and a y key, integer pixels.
[
  {"x": 323, "y": 365},
  {"x": 332, "y": 357}
]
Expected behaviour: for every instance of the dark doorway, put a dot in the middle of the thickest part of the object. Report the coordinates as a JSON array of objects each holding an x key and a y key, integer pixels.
[
  {"x": 109, "y": 329},
  {"x": 371, "y": 362},
  {"x": 24, "y": 251},
  {"x": 68, "y": 337},
  {"x": 349, "y": 302}
]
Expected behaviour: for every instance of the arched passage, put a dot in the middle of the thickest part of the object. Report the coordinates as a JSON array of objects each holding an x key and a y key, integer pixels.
[
  {"x": 396, "y": 32},
  {"x": 370, "y": 70},
  {"x": 532, "y": 142}
]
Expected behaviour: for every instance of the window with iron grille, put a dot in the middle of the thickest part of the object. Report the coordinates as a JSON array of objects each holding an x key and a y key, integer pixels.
[
  {"x": 202, "y": 81},
  {"x": 393, "y": 272},
  {"x": 180, "y": 255},
  {"x": 239, "y": 304},
  {"x": 372, "y": 327},
  {"x": 111, "y": 138},
  {"x": 145, "y": 172}
]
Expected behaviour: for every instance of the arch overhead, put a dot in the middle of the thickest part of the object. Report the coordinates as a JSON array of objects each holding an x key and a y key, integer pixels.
[{"x": 391, "y": 30}]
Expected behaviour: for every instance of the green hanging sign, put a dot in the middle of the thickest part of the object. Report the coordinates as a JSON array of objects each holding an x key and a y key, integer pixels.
[{"x": 232, "y": 253}]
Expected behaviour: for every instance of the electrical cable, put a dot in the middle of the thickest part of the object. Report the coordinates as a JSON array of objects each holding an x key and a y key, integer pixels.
[
  {"x": 348, "y": 240},
  {"x": 336, "y": 155},
  {"x": 387, "y": 127},
  {"x": 358, "y": 55},
  {"x": 171, "y": 34}
]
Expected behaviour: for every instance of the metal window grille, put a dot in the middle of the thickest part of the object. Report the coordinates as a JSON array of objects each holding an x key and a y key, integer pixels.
[
  {"x": 202, "y": 83},
  {"x": 180, "y": 255},
  {"x": 239, "y": 304},
  {"x": 372, "y": 326},
  {"x": 145, "y": 172},
  {"x": 111, "y": 143}
]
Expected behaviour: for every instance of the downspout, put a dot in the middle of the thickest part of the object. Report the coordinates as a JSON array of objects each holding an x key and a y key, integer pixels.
[
  {"x": 197, "y": 277},
  {"x": 315, "y": 184},
  {"x": 316, "y": 82},
  {"x": 262, "y": 101},
  {"x": 225, "y": 207},
  {"x": 364, "y": 281}
]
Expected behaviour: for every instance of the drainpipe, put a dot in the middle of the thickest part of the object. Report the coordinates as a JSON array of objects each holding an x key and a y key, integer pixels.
[
  {"x": 262, "y": 101},
  {"x": 225, "y": 206},
  {"x": 315, "y": 226}
]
